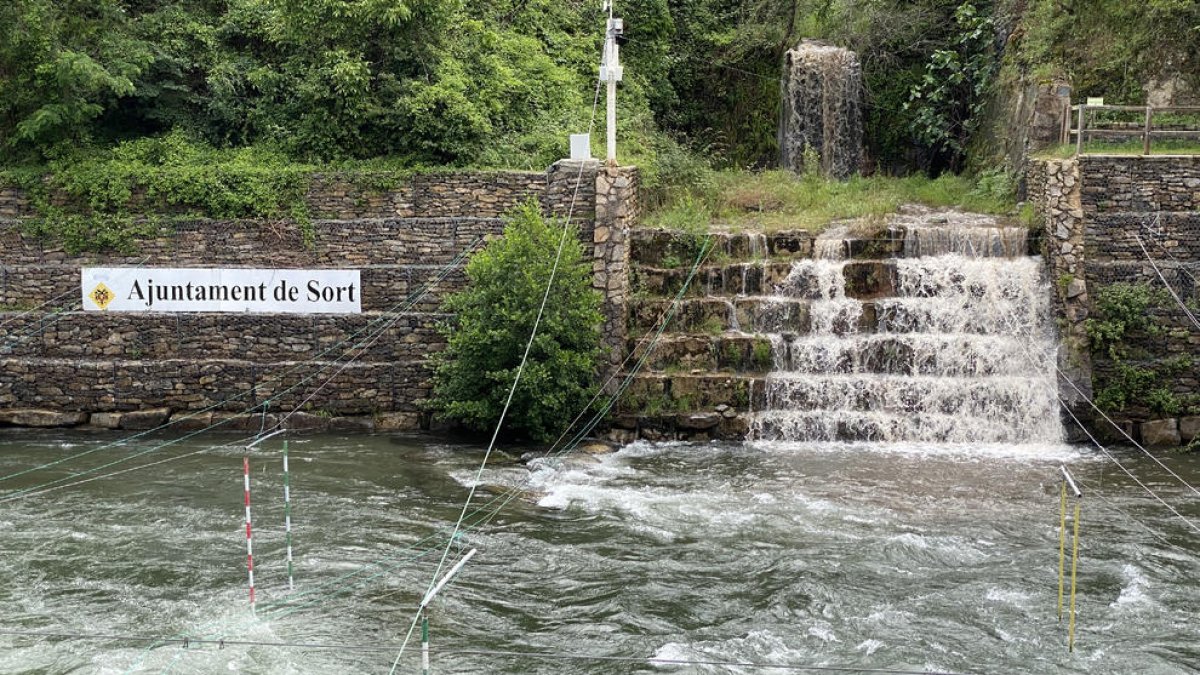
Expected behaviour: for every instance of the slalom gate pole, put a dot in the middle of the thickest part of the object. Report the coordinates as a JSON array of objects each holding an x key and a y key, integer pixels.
[
  {"x": 1074, "y": 565},
  {"x": 287, "y": 514},
  {"x": 424, "y": 643},
  {"x": 1062, "y": 546},
  {"x": 249, "y": 536}
]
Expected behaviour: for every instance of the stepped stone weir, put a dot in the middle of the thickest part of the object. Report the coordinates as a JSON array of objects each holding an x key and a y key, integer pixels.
[
  {"x": 822, "y": 108},
  {"x": 932, "y": 326},
  {"x": 962, "y": 352}
]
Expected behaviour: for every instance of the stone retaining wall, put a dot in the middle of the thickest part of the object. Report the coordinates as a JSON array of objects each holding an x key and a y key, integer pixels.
[
  {"x": 58, "y": 367},
  {"x": 1110, "y": 220}
]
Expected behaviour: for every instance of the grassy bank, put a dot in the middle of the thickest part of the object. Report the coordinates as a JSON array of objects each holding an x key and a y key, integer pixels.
[
  {"x": 1129, "y": 147},
  {"x": 773, "y": 200}
]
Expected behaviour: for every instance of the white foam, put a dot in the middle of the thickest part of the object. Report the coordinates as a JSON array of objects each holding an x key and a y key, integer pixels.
[{"x": 1133, "y": 593}]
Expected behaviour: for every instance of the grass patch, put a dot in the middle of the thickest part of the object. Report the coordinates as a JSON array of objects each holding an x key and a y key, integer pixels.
[
  {"x": 775, "y": 200},
  {"x": 1162, "y": 146}
]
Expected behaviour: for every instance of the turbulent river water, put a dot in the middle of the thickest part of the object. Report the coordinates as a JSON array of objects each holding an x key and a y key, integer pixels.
[{"x": 899, "y": 556}]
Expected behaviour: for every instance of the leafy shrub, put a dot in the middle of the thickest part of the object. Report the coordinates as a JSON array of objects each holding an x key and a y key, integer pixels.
[
  {"x": 494, "y": 316},
  {"x": 1119, "y": 308}
]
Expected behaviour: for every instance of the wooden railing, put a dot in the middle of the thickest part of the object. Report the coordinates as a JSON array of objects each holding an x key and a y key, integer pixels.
[{"x": 1085, "y": 127}]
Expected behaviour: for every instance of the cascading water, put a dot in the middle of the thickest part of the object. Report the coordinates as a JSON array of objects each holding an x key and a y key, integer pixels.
[
  {"x": 822, "y": 108},
  {"x": 962, "y": 352}
]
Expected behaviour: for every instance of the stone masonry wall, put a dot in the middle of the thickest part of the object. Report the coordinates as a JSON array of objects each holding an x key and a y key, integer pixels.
[
  {"x": 110, "y": 366},
  {"x": 1126, "y": 219}
]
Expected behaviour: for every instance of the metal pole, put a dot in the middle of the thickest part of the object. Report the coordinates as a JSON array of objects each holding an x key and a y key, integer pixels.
[
  {"x": 611, "y": 134},
  {"x": 446, "y": 579},
  {"x": 612, "y": 72}
]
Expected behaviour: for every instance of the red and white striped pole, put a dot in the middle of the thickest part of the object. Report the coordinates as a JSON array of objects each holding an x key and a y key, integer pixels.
[{"x": 249, "y": 538}]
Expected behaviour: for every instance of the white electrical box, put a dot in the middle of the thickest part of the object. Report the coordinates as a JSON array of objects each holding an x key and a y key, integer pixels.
[{"x": 581, "y": 146}]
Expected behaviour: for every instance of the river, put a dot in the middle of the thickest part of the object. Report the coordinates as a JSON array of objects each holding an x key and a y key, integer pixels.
[{"x": 900, "y": 556}]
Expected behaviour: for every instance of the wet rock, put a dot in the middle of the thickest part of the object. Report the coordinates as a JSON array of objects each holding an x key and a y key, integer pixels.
[
  {"x": 188, "y": 421},
  {"x": 42, "y": 418},
  {"x": 305, "y": 422},
  {"x": 142, "y": 420},
  {"x": 398, "y": 421},
  {"x": 621, "y": 436},
  {"x": 595, "y": 448},
  {"x": 697, "y": 421},
  {"x": 1189, "y": 428},
  {"x": 352, "y": 425},
  {"x": 1161, "y": 433},
  {"x": 106, "y": 420}
]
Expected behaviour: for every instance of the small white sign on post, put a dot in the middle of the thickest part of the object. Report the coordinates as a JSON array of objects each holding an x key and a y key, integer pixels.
[
  {"x": 260, "y": 291},
  {"x": 1093, "y": 101},
  {"x": 581, "y": 146}
]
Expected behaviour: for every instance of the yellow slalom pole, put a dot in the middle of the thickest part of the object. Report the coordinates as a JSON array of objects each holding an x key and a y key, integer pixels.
[
  {"x": 1074, "y": 564},
  {"x": 1062, "y": 547}
]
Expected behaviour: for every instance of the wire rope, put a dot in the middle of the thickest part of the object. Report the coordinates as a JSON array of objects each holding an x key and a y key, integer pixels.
[
  {"x": 1170, "y": 289},
  {"x": 485, "y": 513},
  {"x": 566, "y": 229},
  {"x": 386, "y": 319}
]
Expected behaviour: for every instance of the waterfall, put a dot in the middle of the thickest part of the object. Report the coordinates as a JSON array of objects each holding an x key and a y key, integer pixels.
[
  {"x": 963, "y": 351},
  {"x": 822, "y": 108}
]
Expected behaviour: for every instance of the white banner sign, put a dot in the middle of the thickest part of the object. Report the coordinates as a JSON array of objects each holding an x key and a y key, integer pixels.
[{"x": 143, "y": 289}]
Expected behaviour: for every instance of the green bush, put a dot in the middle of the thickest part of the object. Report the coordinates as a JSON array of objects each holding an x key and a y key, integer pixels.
[
  {"x": 494, "y": 316},
  {"x": 1120, "y": 308}
]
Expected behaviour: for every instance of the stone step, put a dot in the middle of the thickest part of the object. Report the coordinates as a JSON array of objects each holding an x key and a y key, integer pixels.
[
  {"x": 655, "y": 394},
  {"x": 704, "y": 353},
  {"x": 674, "y": 248},
  {"x": 863, "y": 279},
  {"x": 714, "y": 316}
]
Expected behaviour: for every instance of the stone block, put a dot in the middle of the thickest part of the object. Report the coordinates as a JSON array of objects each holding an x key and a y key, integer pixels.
[
  {"x": 188, "y": 421},
  {"x": 697, "y": 421},
  {"x": 32, "y": 417},
  {"x": 143, "y": 420},
  {"x": 1189, "y": 428},
  {"x": 398, "y": 421},
  {"x": 106, "y": 420},
  {"x": 352, "y": 425},
  {"x": 1161, "y": 433}
]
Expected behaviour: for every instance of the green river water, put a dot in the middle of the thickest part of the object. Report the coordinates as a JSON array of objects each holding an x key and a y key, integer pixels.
[{"x": 937, "y": 558}]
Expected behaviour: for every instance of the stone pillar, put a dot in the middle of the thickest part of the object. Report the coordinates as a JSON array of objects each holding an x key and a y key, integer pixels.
[
  {"x": 571, "y": 189},
  {"x": 1063, "y": 212},
  {"x": 605, "y": 208},
  {"x": 616, "y": 211}
]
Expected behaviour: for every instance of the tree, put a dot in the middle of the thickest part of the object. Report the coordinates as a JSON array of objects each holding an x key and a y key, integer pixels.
[
  {"x": 494, "y": 316},
  {"x": 950, "y": 98}
]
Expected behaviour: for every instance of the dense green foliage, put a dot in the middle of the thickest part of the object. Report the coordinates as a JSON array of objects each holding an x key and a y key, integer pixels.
[
  {"x": 1122, "y": 310},
  {"x": 501, "y": 84},
  {"x": 495, "y": 314},
  {"x": 1111, "y": 48},
  {"x": 949, "y": 100}
]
